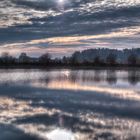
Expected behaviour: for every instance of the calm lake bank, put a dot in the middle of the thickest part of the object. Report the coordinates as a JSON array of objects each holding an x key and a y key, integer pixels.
[{"x": 121, "y": 67}]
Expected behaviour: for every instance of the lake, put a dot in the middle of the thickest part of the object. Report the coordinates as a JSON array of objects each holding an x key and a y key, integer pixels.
[{"x": 65, "y": 104}]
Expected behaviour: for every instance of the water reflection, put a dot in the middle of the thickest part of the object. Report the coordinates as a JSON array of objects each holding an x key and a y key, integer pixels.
[
  {"x": 131, "y": 77},
  {"x": 70, "y": 104},
  {"x": 60, "y": 134},
  {"x": 111, "y": 77},
  {"x": 97, "y": 76},
  {"x": 134, "y": 77}
]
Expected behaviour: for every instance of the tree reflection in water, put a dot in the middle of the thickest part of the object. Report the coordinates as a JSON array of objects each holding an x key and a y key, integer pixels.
[
  {"x": 111, "y": 77},
  {"x": 133, "y": 77}
]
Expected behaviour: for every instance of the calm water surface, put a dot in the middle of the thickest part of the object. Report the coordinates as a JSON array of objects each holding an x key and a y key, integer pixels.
[{"x": 69, "y": 104}]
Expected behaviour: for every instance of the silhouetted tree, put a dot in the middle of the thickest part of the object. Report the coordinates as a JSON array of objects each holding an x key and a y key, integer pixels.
[
  {"x": 97, "y": 60},
  {"x": 111, "y": 59},
  {"x": 45, "y": 59},
  {"x": 57, "y": 61},
  {"x": 23, "y": 58},
  {"x": 74, "y": 57},
  {"x": 65, "y": 60},
  {"x": 132, "y": 59},
  {"x": 6, "y": 58}
]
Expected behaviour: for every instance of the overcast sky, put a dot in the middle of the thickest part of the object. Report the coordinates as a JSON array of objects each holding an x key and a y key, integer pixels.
[{"x": 63, "y": 26}]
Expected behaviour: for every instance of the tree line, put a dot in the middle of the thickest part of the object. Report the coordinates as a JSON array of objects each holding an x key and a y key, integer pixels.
[{"x": 91, "y": 57}]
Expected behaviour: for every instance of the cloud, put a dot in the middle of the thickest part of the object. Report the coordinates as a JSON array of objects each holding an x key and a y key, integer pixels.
[
  {"x": 66, "y": 45},
  {"x": 26, "y": 20}
]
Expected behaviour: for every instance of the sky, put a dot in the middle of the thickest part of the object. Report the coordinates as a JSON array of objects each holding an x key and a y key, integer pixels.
[{"x": 61, "y": 27}]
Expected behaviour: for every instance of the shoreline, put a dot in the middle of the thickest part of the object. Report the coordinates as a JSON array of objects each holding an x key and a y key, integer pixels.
[{"x": 72, "y": 67}]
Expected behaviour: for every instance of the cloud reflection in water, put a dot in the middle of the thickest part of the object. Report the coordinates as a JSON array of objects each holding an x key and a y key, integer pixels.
[{"x": 82, "y": 107}]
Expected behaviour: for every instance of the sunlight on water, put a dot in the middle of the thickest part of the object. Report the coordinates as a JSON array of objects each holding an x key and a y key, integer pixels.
[
  {"x": 122, "y": 93},
  {"x": 60, "y": 134}
]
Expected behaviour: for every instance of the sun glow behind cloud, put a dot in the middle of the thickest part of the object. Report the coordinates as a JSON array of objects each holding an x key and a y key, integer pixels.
[{"x": 61, "y": 1}]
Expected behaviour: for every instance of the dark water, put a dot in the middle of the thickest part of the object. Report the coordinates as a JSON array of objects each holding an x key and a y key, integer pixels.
[{"x": 69, "y": 104}]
